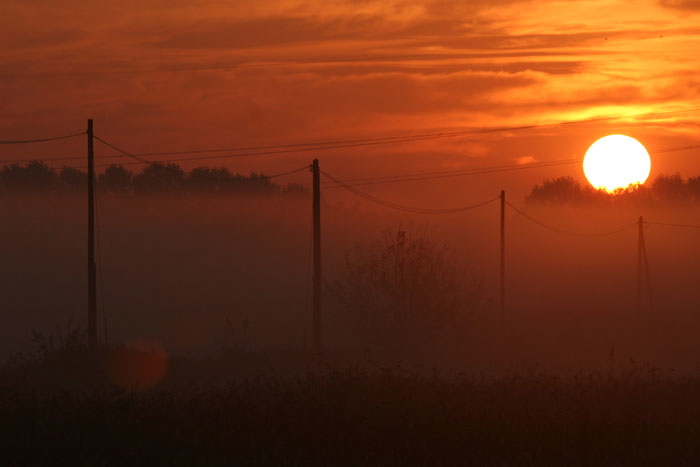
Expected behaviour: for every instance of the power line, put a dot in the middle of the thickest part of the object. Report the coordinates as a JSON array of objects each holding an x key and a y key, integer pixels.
[
  {"x": 52, "y": 159},
  {"x": 121, "y": 155},
  {"x": 306, "y": 167},
  {"x": 391, "y": 178},
  {"x": 343, "y": 143},
  {"x": 444, "y": 172},
  {"x": 280, "y": 146},
  {"x": 118, "y": 156},
  {"x": 679, "y": 148},
  {"x": 466, "y": 172},
  {"x": 567, "y": 232},
  {"x": 686, "y": 226},
  {"x": 418, "y": 176},
  {"x": 41, "y": 140},
  {"x": 356, "y": 142},
  {"x": 284, "y": 151},
  {"x": 143, "y": 161},
  {"x": 43, "y": 159},
  {"x": 478, "y": 170},
  {"x": 400, "y": 207},
  {"x": 415, "y": 176}
]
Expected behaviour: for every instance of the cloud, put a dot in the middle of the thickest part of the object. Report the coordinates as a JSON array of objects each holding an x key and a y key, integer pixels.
[
  {"x": 681, "y": 4},
  {"x": 525, "y": 160},
  {"x": 290, "y": 70}
]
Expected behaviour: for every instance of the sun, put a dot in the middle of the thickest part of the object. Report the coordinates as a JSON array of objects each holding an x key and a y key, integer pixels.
[{"x": 616, "y": 161}]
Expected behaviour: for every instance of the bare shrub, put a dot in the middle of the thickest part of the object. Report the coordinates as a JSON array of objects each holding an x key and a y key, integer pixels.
[{"x": 404, "y": 289}]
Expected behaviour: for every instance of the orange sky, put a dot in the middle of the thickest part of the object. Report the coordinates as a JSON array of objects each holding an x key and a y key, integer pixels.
[{"x": 167, "y": 74}]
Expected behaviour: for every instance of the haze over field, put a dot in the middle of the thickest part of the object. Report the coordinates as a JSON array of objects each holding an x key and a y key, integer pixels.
[{"x": 200, "y": 274}]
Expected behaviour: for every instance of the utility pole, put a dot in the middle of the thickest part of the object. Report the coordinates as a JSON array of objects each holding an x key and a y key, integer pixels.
[
  {"x": 640, "y": 242},
  {"x": 92, "y": 269},
  {"x": 317, "y": 322},
  {"x": 648, "y": 275},
  {"x": 503, "y": 260},
  {"x": 642, "y": 268}
]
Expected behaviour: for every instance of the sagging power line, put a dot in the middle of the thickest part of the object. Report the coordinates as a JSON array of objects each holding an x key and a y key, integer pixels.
[
  {"x": 108, "y": 144},
  {"x": 353, "y": 142},
  {"x": 643, "y": 264},
  {"x": 364, "y": 181},
  {"x": 666, "y": 224},
  {"x": 306, "y": 167},
  {"x": 400, "y": 207},
  {"x": 567, "y": 232},
  {"x": 41, "y": 140},
  {"x": 456, "y": 173}
]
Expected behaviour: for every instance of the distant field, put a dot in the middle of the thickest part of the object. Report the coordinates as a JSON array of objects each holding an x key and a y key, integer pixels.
[{"x": 361, "y": 417}]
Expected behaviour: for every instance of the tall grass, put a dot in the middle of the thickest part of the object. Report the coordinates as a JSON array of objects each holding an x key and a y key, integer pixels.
[{"x": 360, "y": 417}]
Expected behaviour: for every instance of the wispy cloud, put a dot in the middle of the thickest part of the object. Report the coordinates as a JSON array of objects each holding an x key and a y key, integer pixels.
[
  {"x": 292, "y": 69},
  {"x": 525, "y": 160}
]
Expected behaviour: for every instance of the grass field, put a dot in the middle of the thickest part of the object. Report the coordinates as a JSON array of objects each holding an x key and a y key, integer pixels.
[{"x": 355, "y": 416}]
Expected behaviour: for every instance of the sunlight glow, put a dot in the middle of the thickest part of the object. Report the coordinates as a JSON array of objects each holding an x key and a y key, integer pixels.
[{"x": 616, "y": 161}]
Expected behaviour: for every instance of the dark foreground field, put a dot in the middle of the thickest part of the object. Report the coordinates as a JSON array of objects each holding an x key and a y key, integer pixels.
[{"x": 360, "y": 417}]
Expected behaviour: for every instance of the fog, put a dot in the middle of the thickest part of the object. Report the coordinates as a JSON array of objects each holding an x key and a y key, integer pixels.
[{"x": 201, "y": 274}]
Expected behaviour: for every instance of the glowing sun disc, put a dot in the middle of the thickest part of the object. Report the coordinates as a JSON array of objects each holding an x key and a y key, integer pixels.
[{"x": 616, "y": 161}]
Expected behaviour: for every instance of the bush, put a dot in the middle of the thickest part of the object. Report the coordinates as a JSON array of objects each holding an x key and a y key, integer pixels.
[{"x": 404, "y": 289}]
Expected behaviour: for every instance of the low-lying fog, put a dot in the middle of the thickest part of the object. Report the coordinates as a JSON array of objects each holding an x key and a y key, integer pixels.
[{"x": 198, "y": 274}]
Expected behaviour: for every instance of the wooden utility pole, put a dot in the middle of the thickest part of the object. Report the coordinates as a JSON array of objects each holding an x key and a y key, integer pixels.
[
  {"x": 503, "y": 260},
  {"x": 648, "y": 275},
  {"x": 92, "y": 269},
  {"x": 317, "y": 322},
  {"x": 640, "y": 241},
  {"x": 642, "y": 268}
]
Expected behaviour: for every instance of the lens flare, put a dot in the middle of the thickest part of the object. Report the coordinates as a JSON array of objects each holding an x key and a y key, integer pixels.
[
  {"x": 137, "y": 365},
  {"x": 616, "y": 161}
]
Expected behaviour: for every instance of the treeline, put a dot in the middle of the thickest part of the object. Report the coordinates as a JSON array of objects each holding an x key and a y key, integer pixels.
[
  {"x": 663, "y": 190},
  {"x": 36, "y": 177}
]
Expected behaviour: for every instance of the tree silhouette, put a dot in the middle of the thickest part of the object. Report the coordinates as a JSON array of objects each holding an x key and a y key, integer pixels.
[
  {"x": 404, "y": 288},
  {"x": 257, "y": 183},
  {"x": 35, "y": 178},
  {"x": 670, "y": 189},
  {"x": 560, "y": 191},
  {"x": 210, "y": 179},
  {"x": 294, "y": 189},
  {"x": 694, "y": 189},
  {"x": 72, "y": 180},
  {"x": 38, "y": 178},
  {"x": 116, "y": 179},
  {"x": 664, "y": 189},
  {"x": 159, "y": 177}
]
